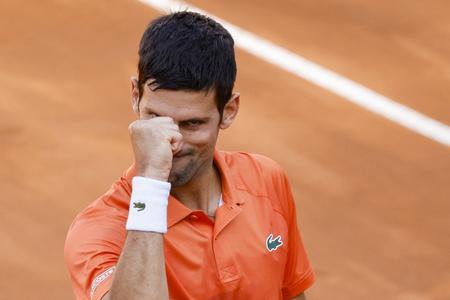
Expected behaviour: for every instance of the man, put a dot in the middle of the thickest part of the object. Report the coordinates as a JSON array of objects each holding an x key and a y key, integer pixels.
[{"x": 187, "y": 221}]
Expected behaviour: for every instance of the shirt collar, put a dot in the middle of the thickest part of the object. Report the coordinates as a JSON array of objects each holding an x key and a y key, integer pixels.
[{"x": 176, "y": 211}]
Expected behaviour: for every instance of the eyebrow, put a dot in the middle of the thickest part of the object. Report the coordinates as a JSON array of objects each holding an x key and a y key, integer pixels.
[
  {"x": 202, "y": 119},
  {"x": 206, "y": 119}
]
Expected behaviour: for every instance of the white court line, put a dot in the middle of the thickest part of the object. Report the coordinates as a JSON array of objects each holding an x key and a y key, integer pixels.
[{"x": 314, "y": 73}]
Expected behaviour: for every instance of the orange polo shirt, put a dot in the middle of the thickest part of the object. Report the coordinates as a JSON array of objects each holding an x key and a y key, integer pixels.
[{"x": 252, "y": 251}]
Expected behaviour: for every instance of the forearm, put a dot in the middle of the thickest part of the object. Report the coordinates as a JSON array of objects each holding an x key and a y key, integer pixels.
[{"x": 140, "y": 272}]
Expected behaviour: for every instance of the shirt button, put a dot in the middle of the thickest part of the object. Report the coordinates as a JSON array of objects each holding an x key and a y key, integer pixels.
[{"x": 193, "y": 217}]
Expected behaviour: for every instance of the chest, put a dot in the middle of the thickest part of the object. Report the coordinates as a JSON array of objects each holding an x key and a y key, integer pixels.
[{"x": 242, "y": 255}]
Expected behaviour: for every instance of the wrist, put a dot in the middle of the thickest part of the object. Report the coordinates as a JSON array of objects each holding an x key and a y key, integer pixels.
[
  {"x": 148, "y": 205},
  {"x": 152, "y": 173}
]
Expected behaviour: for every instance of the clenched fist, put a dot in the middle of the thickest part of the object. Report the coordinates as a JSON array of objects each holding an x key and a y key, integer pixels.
[{"x": 154, "y": 142}]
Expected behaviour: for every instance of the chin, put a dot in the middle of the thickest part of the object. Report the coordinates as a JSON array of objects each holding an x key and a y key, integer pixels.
[
  {"x": 181, "y": 178},
  {"x": 177, "y": 181},
  {"x": 180, "y": 175},
  {"x": 184, "y": 169}
]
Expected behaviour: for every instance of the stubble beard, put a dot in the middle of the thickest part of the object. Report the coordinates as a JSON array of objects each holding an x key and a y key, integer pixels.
[{"x": 185, "y": 174}]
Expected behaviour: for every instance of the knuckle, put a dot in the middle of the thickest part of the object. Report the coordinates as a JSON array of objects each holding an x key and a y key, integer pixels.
[
  {"x": 178, "y": 136},
  {"x": 169, "y": 120}
]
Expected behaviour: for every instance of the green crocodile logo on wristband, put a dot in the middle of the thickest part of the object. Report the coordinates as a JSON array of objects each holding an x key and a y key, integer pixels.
[{"x": 139, "y": 205}]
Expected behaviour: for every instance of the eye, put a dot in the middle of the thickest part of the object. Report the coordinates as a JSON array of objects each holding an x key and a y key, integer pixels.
[
  {"x": 191, "y": 124},
  {"x": 151, "y": 115}
]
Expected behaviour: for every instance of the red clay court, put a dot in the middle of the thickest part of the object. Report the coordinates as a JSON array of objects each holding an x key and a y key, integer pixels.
[{"x": 373, "y": 197}]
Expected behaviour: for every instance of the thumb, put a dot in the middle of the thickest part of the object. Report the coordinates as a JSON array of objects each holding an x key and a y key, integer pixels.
[{"x": 176, "y": 144}]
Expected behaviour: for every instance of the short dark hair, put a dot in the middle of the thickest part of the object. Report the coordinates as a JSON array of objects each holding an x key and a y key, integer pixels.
[{"x": 188, "y": 51}]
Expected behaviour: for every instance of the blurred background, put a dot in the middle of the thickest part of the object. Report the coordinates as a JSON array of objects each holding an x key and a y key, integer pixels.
[{"x": 373, "y": 198}]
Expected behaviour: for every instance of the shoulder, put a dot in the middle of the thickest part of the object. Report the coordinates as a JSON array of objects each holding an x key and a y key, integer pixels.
[
  {"x": 258, "y": 174},
  {"x": 112, "y": 203},
  {"x": 102, "y": 221},
  {"x": 255, "y": 164},
  {"x": 95, "y": 239}
]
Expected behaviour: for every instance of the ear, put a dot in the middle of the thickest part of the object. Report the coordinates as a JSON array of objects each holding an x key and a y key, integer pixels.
[
  {"x": 230, "y": 111},
  {"x": 135, "y": 94}
]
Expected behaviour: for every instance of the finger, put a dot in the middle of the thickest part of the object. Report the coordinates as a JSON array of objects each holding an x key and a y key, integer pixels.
[
  {"x": 164, "y": 122},
  {"x": 158, "y": 119},
  {"x": 176, "y": 142},
  {"x": 176, "y": 148},
  {"x": 176, "y": 138},
  {"x": 171, "y": 129}
]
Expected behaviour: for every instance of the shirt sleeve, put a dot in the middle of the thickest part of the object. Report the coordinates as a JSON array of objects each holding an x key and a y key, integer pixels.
[
  {"x": 298, "y": 272},
  {"x": 94, "y": 243}
]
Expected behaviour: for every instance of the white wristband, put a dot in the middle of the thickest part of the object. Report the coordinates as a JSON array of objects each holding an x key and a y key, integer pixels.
[{"x": 148, "y": 205}]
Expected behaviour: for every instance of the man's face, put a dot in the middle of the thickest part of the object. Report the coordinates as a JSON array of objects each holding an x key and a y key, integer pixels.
[{"x": 198, "y": 119}]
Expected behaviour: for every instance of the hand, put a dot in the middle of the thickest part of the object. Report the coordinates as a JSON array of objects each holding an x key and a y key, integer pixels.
[{"x": 154, "y": 142}]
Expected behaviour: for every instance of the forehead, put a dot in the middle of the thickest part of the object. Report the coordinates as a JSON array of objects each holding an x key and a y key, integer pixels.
[{"x": 179, "y": 104}]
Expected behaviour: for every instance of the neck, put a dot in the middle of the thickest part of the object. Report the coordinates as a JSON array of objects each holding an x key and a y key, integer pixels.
[{"x": 203, "y": 191}]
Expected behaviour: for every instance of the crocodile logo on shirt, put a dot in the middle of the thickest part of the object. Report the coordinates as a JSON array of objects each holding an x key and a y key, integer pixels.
[
  {"x": 139, "y": 205},
  {"x": 272, "y": 244}
]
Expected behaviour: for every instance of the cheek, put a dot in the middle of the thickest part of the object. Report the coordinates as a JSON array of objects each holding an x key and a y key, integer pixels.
[{"x": 200, "y": 138}]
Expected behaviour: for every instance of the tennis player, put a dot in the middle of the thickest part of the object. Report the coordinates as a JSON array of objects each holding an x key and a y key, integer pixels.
[{"x": 186, "y": 220}]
